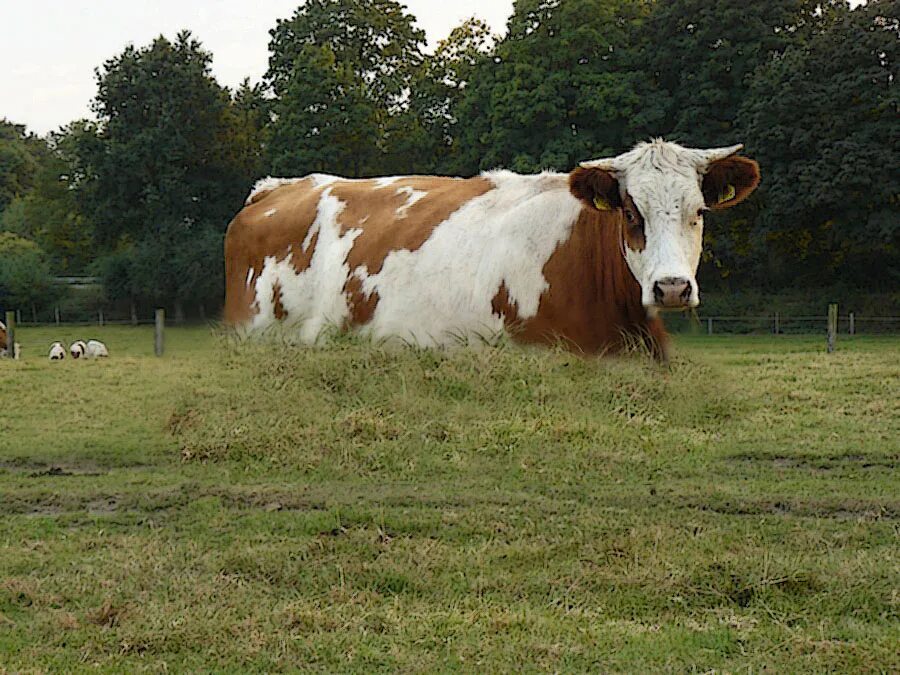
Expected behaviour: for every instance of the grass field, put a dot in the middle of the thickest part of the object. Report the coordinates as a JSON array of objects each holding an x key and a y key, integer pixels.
[{"x": 248, "y": 508}]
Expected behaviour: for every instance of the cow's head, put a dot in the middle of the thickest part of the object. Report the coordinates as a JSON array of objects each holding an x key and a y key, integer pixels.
[{"x": 660, "y": 191}]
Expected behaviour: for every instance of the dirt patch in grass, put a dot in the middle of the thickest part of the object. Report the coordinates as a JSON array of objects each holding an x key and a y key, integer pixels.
[
  {"x": 857, "y": 509},
  {"x": 817, "y": 463}
]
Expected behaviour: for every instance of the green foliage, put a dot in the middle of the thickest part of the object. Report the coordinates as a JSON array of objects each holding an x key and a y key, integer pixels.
[
  {"x": 424, "y": 137},
  {"x": 19, "y": 153},
  {"x": 562, "y": 86},
  {"x": 701, "y": 52},
  {"x": 324, "y": 120},
  {"x": 165, "y": 169},
  {"x": 183, "y": 263},
  {"x": 25, "y": 278},
  {"x": 339, "y": 70},
  {"x": 829, "y": 145},
  {"x": 161, "y": 151},
  {"x": 376, "y": 39}
]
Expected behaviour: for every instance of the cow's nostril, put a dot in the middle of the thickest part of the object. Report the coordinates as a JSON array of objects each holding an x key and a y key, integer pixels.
[
  {"x": 686, "y": 293},
  {"x": 658, "y": 293}
]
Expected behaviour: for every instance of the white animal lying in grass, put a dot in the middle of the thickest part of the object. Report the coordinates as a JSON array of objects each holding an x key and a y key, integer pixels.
[
  {"x": 78, "y": 349},
  {"x": 96, "y": 349},
  {"x": 57, "y": 351},
  {"x": 92, "y": 349}
]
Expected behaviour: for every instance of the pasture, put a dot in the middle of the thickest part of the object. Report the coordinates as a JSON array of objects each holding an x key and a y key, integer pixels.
[{"x": 354, "y": 509}]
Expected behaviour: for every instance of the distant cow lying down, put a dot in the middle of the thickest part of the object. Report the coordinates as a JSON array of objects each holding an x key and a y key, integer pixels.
[{"x": 586, "y": 258}]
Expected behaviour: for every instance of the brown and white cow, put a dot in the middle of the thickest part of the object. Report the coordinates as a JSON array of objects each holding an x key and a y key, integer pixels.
[
  {"x": 4, "y": 344},
  {"x": 587, "y": 258}
]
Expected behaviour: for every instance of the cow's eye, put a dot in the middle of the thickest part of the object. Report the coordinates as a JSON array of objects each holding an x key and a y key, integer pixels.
[
  {"x": 629, "y": 215},
  {"x": 702, "y": 210}
]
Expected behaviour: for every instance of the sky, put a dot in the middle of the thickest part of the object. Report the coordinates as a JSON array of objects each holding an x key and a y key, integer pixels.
[{"x": 50, "y": 48}]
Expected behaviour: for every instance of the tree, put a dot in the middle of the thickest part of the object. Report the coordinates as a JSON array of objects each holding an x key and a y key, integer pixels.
[
  {"x": 247, "y": 128},
  {"x": 324, "y": 121},
  {"x": 562, "y": 86},
  {"x": 339, "y": 71},
  {"x": 421, "y": 139},
  {"x": 25, "y": 278},
  {"x": 161, "y": 152},
  {"x": 829, "y": 145},
  {"x": 166, "y": 166},
  {"x": 701, "y": 52},
  {"x": 376, "y": 39},
  {"x": 19, "y": 153}
]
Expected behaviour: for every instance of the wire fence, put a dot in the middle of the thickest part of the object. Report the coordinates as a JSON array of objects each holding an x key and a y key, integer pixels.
[
  {"x": 775, "y": 323},
  {"x": 778, "y": 324}
]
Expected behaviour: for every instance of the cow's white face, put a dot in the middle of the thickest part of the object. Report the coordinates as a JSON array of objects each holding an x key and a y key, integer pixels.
[{"x": 661, "y": 191}]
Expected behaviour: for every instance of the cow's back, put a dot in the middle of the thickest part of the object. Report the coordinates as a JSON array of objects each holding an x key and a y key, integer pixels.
[{"x": 300, "y": 250}]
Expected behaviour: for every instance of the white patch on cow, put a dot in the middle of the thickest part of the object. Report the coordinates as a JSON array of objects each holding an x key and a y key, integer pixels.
[
  {"x": 323, "y": 179},
  {"x": 270, "y": 213},
  {"x": 249, "y": 277},
  {"x": 267, "y": 184},
  {"x": 441, "y": 294},
  {"x": 385, "y": 181},
  {"x": 314, "y": 298},
  {"x": 412, "y": 196}
]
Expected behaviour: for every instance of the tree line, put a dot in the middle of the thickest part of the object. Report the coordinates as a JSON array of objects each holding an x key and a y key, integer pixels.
[{"x": 141, "y": 195}]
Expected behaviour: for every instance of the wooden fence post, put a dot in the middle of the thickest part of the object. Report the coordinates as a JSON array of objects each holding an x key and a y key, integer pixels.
[
  {"x": 832, "y": 326},
  {"x": 709, "y": 326},
  {"x": 134, "y": 320},
  {"x": 100, "y": 316},
  {"x": 777, "y": 326},
  {"x": 18, "y": 316},
  {"x": 56, "y": 314},
  {"x": 11, "y": 334},
  {"x": 852, "y": 324},
  {"x": 158, "y": 343}
]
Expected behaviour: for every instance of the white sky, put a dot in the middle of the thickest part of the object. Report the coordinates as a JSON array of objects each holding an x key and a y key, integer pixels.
[{"x": 49, "y": 48}]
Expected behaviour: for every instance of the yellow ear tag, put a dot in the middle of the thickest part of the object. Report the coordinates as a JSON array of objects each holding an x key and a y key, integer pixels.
[
  {"x": 727, "y": 194},
  {"x": 602, "y": 204}
]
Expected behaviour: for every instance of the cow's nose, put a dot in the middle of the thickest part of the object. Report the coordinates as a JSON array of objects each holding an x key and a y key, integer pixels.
[{"x": 672, "y": 292}]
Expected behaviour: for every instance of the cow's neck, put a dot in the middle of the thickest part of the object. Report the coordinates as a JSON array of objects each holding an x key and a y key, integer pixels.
[{"x": 594, "y": 299}]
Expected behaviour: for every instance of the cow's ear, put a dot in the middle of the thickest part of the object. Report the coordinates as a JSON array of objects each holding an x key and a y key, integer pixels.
[
  {"x": 597, "y": 188},
  {"x": 729, "y": 181}
]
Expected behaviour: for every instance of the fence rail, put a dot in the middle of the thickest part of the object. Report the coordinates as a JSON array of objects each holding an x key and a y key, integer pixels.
[{"x": 776, "y": 323}]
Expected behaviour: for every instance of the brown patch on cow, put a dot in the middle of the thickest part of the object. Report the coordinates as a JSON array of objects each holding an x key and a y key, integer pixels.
[
  {"x": 502, "y": 306},
  {"x": 740, "y": 172},
  {"x": 633, "y": 225},
  {"x": 3, "y": 336},
  {"x": 253, "y": 236},
  {"x": 302, "y": 258},
  {"x": 362, "y": 306},
  {"x": 280, "y": 311},
  {"x": 386, "y": 225},
  {"x": 593, "y": 304}
]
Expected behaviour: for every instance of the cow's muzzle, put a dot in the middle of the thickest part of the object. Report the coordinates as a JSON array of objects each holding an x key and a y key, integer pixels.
[{"x": 672, "y": 292}]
